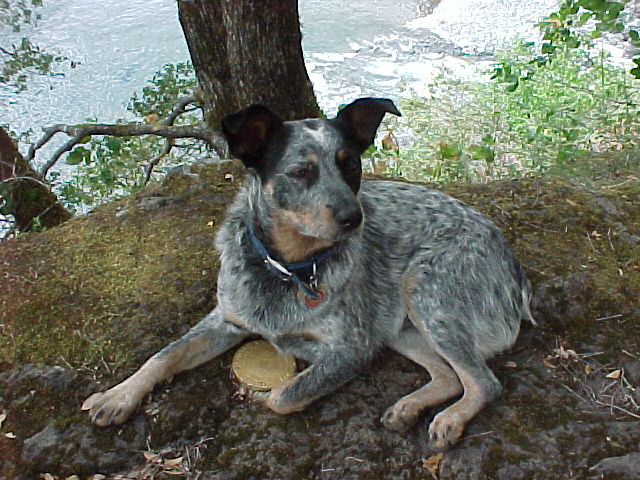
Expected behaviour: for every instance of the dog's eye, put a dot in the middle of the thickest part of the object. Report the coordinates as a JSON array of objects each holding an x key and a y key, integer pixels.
[{"x": 300, "y": 172}]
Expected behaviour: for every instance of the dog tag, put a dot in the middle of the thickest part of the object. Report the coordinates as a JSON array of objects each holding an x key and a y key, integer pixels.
[
  {"x": 259, "y": 366},
  {"x": 314, "y": 302}
]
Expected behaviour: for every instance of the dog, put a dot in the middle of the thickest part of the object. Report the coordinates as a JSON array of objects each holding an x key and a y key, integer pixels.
[{"x": 332, "y": 269}]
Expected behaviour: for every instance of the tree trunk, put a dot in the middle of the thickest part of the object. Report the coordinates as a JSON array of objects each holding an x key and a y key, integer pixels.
[
  {"x": 248, "y": 51},
  {"x": 25, "y": 196}
]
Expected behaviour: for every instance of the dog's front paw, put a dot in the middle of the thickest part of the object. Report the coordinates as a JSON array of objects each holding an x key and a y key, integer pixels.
[
  {"x": 400, "y": 416},
  {"x": 113, "y": 406},
  {"x": 445, "y": 430},
  {"x": 280, "y": 401}
]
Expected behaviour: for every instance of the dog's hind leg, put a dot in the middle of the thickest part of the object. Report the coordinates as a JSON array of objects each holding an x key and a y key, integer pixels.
[
  {"x": 480, "y": 387},
  {"x": 458, "y": 308},
  {"x": 444, "y": 383},
  {"x": 208, "y": 339}
]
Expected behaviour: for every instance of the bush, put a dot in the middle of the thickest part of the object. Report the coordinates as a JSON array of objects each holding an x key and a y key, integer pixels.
[
  {"x": 475, "y": 130},
  {"x": 110, "y": 167}
]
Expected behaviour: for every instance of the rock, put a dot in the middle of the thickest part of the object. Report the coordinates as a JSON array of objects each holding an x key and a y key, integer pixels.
[
  {"x": 38, "y": 449},
  {"x": 625, "y": 467},
  {"x": 84, "y": 304}
]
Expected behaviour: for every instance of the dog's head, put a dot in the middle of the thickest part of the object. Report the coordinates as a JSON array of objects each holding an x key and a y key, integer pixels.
[{"x": 310, "y": 169}]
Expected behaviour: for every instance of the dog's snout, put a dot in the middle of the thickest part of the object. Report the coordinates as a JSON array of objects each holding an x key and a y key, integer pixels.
[{"x": 347, "y": 218}]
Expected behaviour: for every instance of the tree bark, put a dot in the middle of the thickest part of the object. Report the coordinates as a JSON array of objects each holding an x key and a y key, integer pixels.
[
  {"x": 26, "y": 196},
  {"x": 248, "y": 51}
]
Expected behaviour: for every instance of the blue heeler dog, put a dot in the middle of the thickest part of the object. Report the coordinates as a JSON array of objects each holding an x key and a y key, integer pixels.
[{"x": 332, "y": 269}]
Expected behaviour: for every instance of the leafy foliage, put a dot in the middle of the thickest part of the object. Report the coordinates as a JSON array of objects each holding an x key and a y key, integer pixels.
[
  {"x": 575, "y": 24},
  {"x": 16, "y": 13},
  {"x": 476, "y": 130},
  {"x": 25, "y": 58},
  {"x": 109, "y": 167}
]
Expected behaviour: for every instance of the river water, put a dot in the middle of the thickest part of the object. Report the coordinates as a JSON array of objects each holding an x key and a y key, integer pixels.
[{"x": 352, "y": 48}]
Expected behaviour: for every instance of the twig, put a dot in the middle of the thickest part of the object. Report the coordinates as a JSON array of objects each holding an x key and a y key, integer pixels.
[
  {"x": 155, "y": 160},
  {"x": 617, "y": 408},
  {"x": 610, "y": 242},
  {"x": 576, "y": 394},
  {"x": 477, "y": 435},
  {"x": 179, "y": 109},
  {"x": 610, "y": 317}
]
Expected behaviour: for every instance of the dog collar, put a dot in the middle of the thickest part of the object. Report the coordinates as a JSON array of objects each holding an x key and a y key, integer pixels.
[{"x": 293, "y": 272}]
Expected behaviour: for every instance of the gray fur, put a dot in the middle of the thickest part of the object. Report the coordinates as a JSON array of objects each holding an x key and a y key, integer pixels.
[{"x": 424, "y": 274}]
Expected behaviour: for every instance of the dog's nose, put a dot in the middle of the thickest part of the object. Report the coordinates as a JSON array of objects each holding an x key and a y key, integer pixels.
[{"x": 348, "y": 218}]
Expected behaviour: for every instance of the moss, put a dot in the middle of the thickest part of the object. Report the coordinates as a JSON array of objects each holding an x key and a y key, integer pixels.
[{"x": 105, "y": 290}]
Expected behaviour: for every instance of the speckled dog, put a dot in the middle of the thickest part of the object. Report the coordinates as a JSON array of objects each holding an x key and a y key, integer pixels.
[{"x": 332, "y": 270}]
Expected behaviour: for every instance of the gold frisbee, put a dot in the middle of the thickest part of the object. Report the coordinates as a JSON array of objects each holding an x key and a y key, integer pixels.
[{"x": 260, "y": 367}]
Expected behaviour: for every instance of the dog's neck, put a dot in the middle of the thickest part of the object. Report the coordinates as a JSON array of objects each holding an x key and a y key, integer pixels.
[{"x": 289, "y": 244}]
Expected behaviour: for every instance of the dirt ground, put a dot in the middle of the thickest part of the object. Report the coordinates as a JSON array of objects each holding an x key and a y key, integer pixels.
[{"x": 83, "y": 304}]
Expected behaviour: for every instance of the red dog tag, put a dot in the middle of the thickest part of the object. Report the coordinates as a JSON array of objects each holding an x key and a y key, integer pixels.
[{"x": 314, "y": 302}]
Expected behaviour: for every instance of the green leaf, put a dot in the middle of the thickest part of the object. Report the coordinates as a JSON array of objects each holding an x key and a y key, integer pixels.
[
  {"x": 488, "y": 140},
  {"x": 584, "y": 18},
  {"x": 513, "y": 86},
  {"x": 449, "y": 151},
  {"x": 548, "y": 49},
  {"x": 76, "y": 156},
  {"x": 114, "y": 144},
  {"x": 593, "y": 5}
]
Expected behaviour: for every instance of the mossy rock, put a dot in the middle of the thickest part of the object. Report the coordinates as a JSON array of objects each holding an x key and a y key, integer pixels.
[{"x": 83, "y": 304}]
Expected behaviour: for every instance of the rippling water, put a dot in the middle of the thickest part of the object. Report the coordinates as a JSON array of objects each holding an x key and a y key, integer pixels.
[{"x": 352, "y": 47}]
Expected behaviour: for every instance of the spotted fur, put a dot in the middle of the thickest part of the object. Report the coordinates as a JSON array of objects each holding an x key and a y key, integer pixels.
[{"x": 408, "y": 267}]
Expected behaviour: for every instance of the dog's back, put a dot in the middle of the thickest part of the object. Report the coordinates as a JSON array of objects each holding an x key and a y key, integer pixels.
[{"x": 409, "y": 228}]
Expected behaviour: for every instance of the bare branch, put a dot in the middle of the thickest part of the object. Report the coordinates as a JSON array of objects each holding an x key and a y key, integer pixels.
[
  {"x": 200, "y": 132},
  {"x": 165, "y": 129},
  {"x": 177, "y": 111},
  {"x": 155, "y": 160},
  {"x": 180, "y": 108}
]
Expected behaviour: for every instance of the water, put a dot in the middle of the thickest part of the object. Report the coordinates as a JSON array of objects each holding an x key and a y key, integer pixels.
[{"x": 352, "y": 48}]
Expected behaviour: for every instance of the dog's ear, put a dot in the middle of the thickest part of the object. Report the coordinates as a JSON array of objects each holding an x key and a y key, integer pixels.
[
  {"x": 361, "y": 118},
  {"x": 248, "y": 132}
]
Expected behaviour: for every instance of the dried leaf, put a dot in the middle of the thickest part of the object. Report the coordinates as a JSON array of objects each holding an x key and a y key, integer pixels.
[
  {"x": 173, "y": 462},
  {"x": 510, "y": 364},
  {"x": 615, "y": 374},
  {"x": 47, "y": 476},
  {"x": 152, "y": 457},
  {"x": 432, "y": 465},
  {"x": 572, "y": 203},
  {"x": 173, "y": 471},
  {"x": 3, "y": 417},
  {"x": 587, "y": 369},
  {"x": 73, "y": 477},
  {"x": 548, "y": 364}
]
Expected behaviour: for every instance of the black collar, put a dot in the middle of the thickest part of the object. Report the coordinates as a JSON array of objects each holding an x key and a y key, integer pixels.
[{"x": 302, "y": 274}]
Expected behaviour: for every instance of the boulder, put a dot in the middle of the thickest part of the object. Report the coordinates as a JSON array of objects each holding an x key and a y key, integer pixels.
[{"x": 82, "y": 305}]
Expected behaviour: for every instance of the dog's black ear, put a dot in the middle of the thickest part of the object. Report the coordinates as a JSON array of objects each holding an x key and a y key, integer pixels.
[
  {"x": 248, "y": 132},
  {"x": 361, "y": 118}
]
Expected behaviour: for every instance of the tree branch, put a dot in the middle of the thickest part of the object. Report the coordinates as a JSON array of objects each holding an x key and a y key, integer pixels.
[
  {"x": 77, "y": 133},
  {"x": 175, "y": 113}
]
